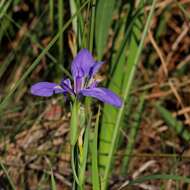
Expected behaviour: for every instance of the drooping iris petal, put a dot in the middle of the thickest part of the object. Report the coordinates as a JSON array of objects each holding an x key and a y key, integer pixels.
[
  {"x": 94, "y": 69},
  {"x": 104, "y": 95},
  {"x": 82, "y": 63},
  {"x": 46, "y": 89}
]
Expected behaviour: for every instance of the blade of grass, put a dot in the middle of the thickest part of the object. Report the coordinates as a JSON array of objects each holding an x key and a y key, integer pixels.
[
  {"x": 80, "y": 25},
  {"x": 173, "y": 123},
  {"x": 4, "y": 8},
  {"x": 60, "y": 26},
  {"x": 51, "y": 13},
  {"x": 74, "y": 122},
  {"x": 94, "y": 148},
  {"x": 103, "y": 21},
  {"x": 129, "y": 76},
  {"x": 73, "y": 139},
  {"x": 84, "y": 156},
  {"x": 73, "y": 164},
  {"x": 53, "y": 183},
  {"x": 7, "y": 175},
  {"x": 160, "y": 176},
  {"x": 92, "y": 25},
  {"x": 132, "y": 135},
  {"x": 38, "y": 59},
  {"x": 73, "y": 8},
  {"x": 186, "y": 13}
]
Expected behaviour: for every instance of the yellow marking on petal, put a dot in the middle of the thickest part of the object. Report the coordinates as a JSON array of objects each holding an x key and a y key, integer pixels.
[{"x": 58, "y": 87}]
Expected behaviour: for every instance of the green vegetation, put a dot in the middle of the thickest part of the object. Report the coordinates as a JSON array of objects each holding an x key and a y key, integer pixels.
[{"x": 81, "y": 143}]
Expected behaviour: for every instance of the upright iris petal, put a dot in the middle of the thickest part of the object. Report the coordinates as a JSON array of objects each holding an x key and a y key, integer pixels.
[{"x": 82, "y": 63}]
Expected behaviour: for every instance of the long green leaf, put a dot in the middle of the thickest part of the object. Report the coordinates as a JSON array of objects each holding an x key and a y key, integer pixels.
[
  {"x": 109, "y": 112},
  {"x": 103, "y": 20},
  {"x": 84, "y": 156},
  {"x": 129, "y": 78},
  {"x": 94, "y": 147},
  {"x": 74, "y": 122},
  {"x": 116, "y": 83}
]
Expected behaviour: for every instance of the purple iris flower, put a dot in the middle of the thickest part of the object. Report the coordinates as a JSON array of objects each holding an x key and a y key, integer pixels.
[{"x": 83, "y": 69}]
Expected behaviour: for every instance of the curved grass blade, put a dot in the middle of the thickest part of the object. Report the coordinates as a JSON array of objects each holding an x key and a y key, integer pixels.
[{"x": 73, "y": 165}]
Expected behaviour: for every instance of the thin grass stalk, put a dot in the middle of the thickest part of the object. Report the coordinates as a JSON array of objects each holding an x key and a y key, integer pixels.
[
  {"x": 92, "y": 25},
  {"x": 80, "y": 25},
  {"x": 60, "y": 26},
  {"x": 94, "y": 152},
  {"x": 37, "y": 6},
  {"x": 86, "y": 28},
  {"x": 51, "y": 14},
  {"x": 173, "y": 123},
  {"x": 130, "y": 74},
  {"x": 38, "y": 59},
  {"x": 1, "y": 3},
  {"x": 73, "y": 8},
  {"x": 53, "y": 183},
  {"x": 4, "y": 8},
  {"x": 160, "y": 177},
  {"x": 185, "y": 12},
  {"x": 8, "y": 177},
  {"x": 132, "y": 135},
  {"x": 84, "y": 156}
]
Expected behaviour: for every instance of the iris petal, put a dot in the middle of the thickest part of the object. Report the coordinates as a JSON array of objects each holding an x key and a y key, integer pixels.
[
  {"x": 46, "y": 89},
  {"x": 82, "y": 63},
  {"x": 103, "y": 95},
  {"x": 94, "y": 69},
  {"x": 66, "y": 82}
]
